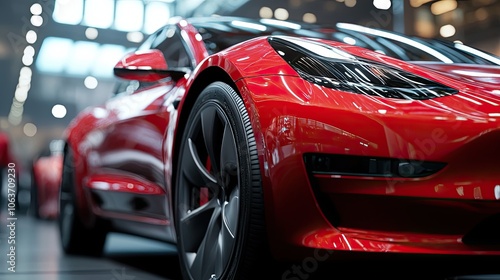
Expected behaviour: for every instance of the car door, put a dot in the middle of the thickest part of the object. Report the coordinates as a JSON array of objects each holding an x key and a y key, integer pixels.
[{"x": 126, "y": 166}]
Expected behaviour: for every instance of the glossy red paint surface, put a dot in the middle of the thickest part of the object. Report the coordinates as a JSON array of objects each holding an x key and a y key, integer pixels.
[
  {"x": 146, "y": 66},
  {"x": 5, "y": 150},
  {"x": 137, "y": 134},
  {"x": 193, "y": 40},
  {"x": 143, "y": 60}
]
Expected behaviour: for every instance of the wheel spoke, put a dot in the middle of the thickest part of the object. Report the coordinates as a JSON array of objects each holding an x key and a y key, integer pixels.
[
  {"x": 211, "y": 126},
  {"x": 195, "y": 225},
  {"x": 208, "y": 254},
  {"x": 194, "y": 171}
]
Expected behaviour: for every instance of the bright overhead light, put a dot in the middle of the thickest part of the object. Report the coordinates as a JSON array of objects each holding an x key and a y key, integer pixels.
[
  {"x": 281, "y": 14},
  {"x": 447, "y": 30},
  {"x": 135, "y": 37},
  {"x": 99, "y": 13},
  {"x": 309, "y": 18},
  {"x": 443, "y": 6},
  {"x": 382, "y": 4},
  {"x": 24, "y": 80},
  {"x": 21, "y": 94},
  {"x": 25, "y": 72},
  {"x": 68, "y": 12},
  {"x": 54, "y": 54},
  {"x": 129, "y": 15},
  {"x": 36, "y": 9},
  {"x": 90, "y": 82},
  {"x": 59, "y": 111},
  {"x": 36, "y": 20},
  {"x": 31, "y": 37},
  {"x": 29, "y": 50},
  {"x": 265, "y": 12},
  {"x": 157, "y": 15},
  {"x": 350, "y": 3},
  {"x": 27, "y": 60},
  {"x": 82, "y": 57},
  {"x": 91, "y": 33}
]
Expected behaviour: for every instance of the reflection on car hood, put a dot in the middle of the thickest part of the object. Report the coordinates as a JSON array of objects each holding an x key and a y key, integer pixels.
[{"x": 467, "y": 72}]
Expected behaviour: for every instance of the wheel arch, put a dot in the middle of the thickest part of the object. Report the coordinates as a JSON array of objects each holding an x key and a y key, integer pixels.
[
  {"x": 217, "y": 68},
  {"x": 203, "y": 79}
]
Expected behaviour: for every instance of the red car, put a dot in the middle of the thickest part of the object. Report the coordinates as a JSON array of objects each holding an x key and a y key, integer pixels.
[
  {"x": 9, "y": 172},
  {"x": 5, "y": 150},
  {"x": 45, "y": 181},
  {"x": 244, "y": 141}
]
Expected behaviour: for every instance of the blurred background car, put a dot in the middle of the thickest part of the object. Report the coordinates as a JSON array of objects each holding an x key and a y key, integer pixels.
[
  {"x": 46, "y": 175},
  {"x": 5, "y": 154},
  {"x": 7, "y": 160}
]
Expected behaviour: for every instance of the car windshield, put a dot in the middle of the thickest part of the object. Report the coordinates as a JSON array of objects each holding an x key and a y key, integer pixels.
[
  {"x": 411, "y": 48},
  {"x": 223, "y": 33}
]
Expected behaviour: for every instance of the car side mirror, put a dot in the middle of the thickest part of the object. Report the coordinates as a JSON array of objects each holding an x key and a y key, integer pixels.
[{"x": 145, "y": 66}]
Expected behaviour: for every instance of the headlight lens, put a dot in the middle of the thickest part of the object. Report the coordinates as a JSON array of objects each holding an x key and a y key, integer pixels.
[{"x": 329, "y": 67}]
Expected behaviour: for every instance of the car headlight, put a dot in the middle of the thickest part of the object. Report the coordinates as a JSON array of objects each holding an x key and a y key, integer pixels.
[{"x": 333, "y": 68}]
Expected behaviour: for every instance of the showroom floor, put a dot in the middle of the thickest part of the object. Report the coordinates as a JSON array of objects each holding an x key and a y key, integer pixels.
[{"x": 38, "y": 257}]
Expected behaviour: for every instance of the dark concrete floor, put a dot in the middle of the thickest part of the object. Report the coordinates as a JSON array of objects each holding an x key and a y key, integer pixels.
[{"x": 39, "y": 257}]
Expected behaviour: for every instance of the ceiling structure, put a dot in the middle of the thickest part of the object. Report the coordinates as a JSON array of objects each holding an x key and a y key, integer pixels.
[{"x": 56, "y": 56}]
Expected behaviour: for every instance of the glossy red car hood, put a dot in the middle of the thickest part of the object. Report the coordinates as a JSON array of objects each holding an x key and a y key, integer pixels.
[{"x": 467, "y": 77}]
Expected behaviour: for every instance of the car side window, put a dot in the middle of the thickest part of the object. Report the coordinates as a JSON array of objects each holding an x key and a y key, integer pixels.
[
  {"x": 126, "y": 87},
  {"x": 170, "y": 42}
]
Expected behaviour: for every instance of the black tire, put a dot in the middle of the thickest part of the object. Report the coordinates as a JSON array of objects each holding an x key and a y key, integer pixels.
[
  {"x": 222, "y": 236},
  {"x": 76, "y": 238}
]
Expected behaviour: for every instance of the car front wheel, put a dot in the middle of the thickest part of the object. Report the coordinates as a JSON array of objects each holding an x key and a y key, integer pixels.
[{"x": 219, "y": 204}]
